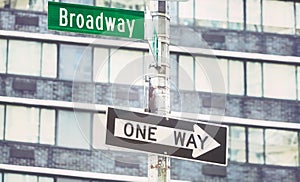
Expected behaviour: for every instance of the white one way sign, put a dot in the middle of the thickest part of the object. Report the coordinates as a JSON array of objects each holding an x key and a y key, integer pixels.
[
  {"x": 198, "y": 140},
  {"x": 167, "y": 136}
]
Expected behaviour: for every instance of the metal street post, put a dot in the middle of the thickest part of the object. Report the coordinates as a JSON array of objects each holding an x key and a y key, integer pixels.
[{"x": 159, "y": 85}]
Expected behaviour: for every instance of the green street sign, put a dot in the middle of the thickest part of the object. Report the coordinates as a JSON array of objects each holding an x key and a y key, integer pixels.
[{"x": 95, "y": 20}]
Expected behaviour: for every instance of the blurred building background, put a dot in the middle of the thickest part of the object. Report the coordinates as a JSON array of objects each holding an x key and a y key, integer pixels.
[{"x": 253, "y": 44}]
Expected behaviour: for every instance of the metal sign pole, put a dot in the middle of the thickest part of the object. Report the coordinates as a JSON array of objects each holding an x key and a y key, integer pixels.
[{"x": 159, "y": 86}]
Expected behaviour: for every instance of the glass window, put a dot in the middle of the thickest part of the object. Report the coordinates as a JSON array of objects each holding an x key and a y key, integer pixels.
[
  {"x": 298, "y": 82},
  {"x": 22, "y": 123},
  {"x": 11, "y": 177},
  {"x": 237, "y": 150},
  {"x": 99, "y": 134},
  {"x": 298, "y": 18},
  {"x": 4, "y": 4},
  {"x": 45, "y": 179},
  {"x": 253, "y": 10},
  {"x": 99, "y": 131},
  {"x": 275, "y": 81},
  {"x": 133, "y": 4},
  {"x": 1, "y": 121},
  {"x": 47, "y": 126},
  {"x": 236, "y": 77},
  {"x": 173, "y": 12},
  {"x": 281, "y": 147},
  {"x": 70, "y": 180},
  {"x": 103, "y": 3},
  {"x": 186, "y": 73},
  {"x": 74, "y": 129},
  {"x": 49, "y": 60},
  {"x": 235, "y": 14},
  {"x": 223, "y": 67},
  {"x": 123, "y": 62},
  {"x": 24, "y": 57},
  {"x": 35, "y": 5},
  {"x": 278, "y": 16},
  {"x": 256, "y": 145},
  {"x": 75, "y": 62},
  {"x": 46, "y": 4},
  {"x": 209, "y": 73},
  {"x": 186, "y": 9},
  {"x": 212, "y": 13},
  {"x": 173, "y": 71},
  {"x": 202, "y": 80},
  {"x": 254, "y": 79},
  {"x": 3, "y": 56},
  {"x": 86, "y": 2},
  {"x": 101, "y": 62}
]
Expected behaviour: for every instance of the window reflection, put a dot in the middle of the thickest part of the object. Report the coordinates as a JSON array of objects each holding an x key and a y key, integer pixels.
[
  {"x": 281, "y": 147},
  {"x": 253, "y": 11},
  {"x": 75, "y": 62},
  {"x": 278, "y": 16},
  {"x": 47, "y": 126},
  {"x": 122, "y": 4},
  {"x": 49, "y": 60},
  {"x": 235, "y": 14},
  {"x": 4, "y": 3},
  {"x": 219, "y": 13},
  {"x": 186, "y": 73},
  {"x": 20, "y": 54},
  {"x": 41, "y": 56},
  {"x": 217, "y": 83},
  {"x": 173, "y": 71},
  {"x": 3, "y": 56},
  {"x": 202, "y": 80},
  {"x": 22, "y": 123},
  {"x": 101, "y": 64},
  {"x": 29, "y": 124},
  {"x": 254, "y": 79},
  {"x": 99, "y": 132},
  {"x": 297, "y": 18},
  {"x": 85, "y": 2},
  {"x": 11, "y": 177},
  {"x": 186, "y": 9},
  {"x": 236, "y": 77},
  {"x": 298, "y": 82},
  {"x": 34, "y": 5},
  {"x": 256, "y": 145},
  {"x": 70, "y": 180},
  {"x": 124, "y": 61},
  {"x": 237, "y": 150},
  {"x": 173, "y": 12},
  {"x": 275, "y": 81},
  {"x": 212, "y": 13},
  {"x": 223, "y": 67},
  {"x": 1, "y": 122},
  {"x": 103, "y": 3},
  {"x": 45, "y": 179},
  {"x": 79, "y": 124}
]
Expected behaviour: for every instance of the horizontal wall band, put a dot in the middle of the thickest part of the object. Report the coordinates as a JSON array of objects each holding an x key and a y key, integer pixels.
[
  {"x": 72, "y": 173},
  {"x": 192, "y": 116},
  {"x": 144, "y": 46}
]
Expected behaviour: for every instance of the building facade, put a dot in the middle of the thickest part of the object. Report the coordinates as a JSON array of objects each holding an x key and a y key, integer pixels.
[{"x": 234, "y": 62}]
